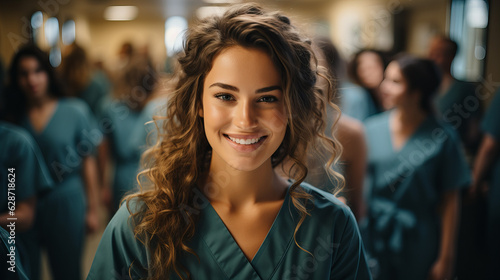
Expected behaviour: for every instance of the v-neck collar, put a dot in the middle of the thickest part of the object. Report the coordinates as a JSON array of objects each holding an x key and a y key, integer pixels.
[
  {"x": 410, "y": 138},
  {"x": 47, "y": 125},
  {"x": 229, "y": 255}
]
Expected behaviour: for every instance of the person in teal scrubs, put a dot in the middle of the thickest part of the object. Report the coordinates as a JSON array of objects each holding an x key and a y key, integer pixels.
[
  {"x": 123, "y": 124},
  {"x": 456, "y": 101},
  {"x": 67, "y": 135},
  {"x": 487, "y": 169},
  {"x": 82, "y": 81},
  {"x": 416, "y": 168},
  {"x": 212, "y": 205},
  {"x": 24, "y": 177},
  {"x": 349, "y": 132}
]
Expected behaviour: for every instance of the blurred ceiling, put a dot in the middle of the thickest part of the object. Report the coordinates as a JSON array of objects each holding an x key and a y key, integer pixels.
[
  {"x": 162, "y": 9},
  {"x": 148, "y": 9}
]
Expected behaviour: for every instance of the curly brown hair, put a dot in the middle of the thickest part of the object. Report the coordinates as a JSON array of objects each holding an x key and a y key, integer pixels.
[{"x": 180, "y": 160}]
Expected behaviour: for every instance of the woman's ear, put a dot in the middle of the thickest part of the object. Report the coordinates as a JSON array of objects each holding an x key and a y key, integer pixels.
[{"x": 200, "y": 112}]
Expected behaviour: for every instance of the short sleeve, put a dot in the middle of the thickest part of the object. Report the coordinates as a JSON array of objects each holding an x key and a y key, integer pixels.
[
  {"x": 455, "y": 172},
  {"x": 349, "y": 262},
  {"x": 33, "y": 176},
  {"x": 23, "y": 161},
  {"x": 491, "y": 121},
  {"x": 118, "y": 249}
]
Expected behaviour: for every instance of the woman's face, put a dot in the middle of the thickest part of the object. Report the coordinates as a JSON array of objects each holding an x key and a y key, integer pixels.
[
  {"x": 370, "y": 70},
  {"x": 394, "y": 87},
  {"x": 243, "y": 108},
  {"x": 32, "y": 79}
]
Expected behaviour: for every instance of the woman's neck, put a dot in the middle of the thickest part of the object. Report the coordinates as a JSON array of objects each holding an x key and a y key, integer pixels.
[
  {"x": 40, "y": 102},
  {"x": 237, "y": 188},
  {"x": 409, "y": 116}
]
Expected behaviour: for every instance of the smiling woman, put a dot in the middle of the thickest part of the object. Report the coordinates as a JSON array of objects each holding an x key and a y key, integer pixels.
[{"x": 212, "y": 205}]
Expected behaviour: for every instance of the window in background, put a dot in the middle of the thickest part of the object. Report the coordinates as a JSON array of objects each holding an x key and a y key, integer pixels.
[
  {"x": 68, "y": 32},
  {"x": 37, "y": 26},
  {"x": 52, "y": 38},
  {"x": 174, "y": 31},
  {"x": 468, "y": 23}
]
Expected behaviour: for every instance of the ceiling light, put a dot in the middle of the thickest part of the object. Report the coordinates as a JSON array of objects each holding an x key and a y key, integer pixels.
[
  {"x": 222, "y": 1},
  {"x": 207, "y": 11},
  {"x": 121, "y": 13}
]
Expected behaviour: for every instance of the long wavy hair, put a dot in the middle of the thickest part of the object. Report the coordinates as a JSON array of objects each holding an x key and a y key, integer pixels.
[{"x": 180, "y": 160}]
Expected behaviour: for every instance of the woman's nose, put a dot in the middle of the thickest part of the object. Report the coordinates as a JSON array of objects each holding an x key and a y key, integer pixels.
[{"x": 246, "y": 115}]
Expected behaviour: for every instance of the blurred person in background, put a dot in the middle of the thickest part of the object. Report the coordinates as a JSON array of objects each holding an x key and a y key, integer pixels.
[
  {"x": 92, "y": 86},
  {"x": 25, "y": 178},
  {"x": 416, "y": 168},
  {"x": 123, "y": 123},
  {"x": 487, "y": 172},
  {"x": 366, "y": 69},
  {"x": 67, "y": 134},
  {"x": 452, "y": 96},
  {"x": 452, "y": 107},
  {"x": 349, "y": 132}
]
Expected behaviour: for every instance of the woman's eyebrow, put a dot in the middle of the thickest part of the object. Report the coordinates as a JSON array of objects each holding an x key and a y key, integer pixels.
[
  {"x": 233, "y": 88},
  {"x": 225, "y": 86},
  {"x": 268, "y": 89}
]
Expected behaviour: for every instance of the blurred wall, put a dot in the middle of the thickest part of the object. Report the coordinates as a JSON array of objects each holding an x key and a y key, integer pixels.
[
  {"x": 424, "y": 21},
  {"x": 492, "y": 72}
]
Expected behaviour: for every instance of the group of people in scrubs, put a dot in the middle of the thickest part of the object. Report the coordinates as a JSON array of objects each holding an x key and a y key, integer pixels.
[
  {"x": 64, "y": 139},
  {"x": 264, "y": 161}
]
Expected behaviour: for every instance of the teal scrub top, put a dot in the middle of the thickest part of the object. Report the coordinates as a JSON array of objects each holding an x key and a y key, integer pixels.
[
  {"x": 70, "y": 135},
  {"x": 97, "y": 92},
  {"x": 129, "y": 136},
  {"x": 453, "y": 106},
  {"x": 356, "y": 102},
  {"x": 402, "y": 231},
  {"x": 330, "y": 233},
  {"x": 18, "y": 150}
]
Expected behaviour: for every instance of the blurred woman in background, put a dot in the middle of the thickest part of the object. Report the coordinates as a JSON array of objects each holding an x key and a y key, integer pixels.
[
  {"x": 123, "y": 123},
  {"x": 82, "y": 81},
  {"x": 487, "y": 171},
  {"x": 67, "y": 135},
  {"x": 366, "y": 69},
  {"x": 416, "y": 169},
  {"x": 349, "y": 132}
]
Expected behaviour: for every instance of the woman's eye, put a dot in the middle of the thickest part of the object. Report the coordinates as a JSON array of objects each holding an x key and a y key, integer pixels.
[
  {"x": 224, "y": 97},
  {"x": 268, "y": 99}
]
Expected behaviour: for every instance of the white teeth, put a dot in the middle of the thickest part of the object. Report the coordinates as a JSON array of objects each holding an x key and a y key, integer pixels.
[{"x": 245, "y": 141}]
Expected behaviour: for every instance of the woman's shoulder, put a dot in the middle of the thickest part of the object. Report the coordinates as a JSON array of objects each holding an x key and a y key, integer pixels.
[
  {"x": 325, "y": 204},
  {"x": 120, "y": 252}
]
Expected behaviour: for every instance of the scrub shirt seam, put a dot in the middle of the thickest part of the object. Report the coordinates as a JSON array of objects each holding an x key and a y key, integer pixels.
[
  {"x": 281, "y": 259},
  {"x": 213, "y": 257}
]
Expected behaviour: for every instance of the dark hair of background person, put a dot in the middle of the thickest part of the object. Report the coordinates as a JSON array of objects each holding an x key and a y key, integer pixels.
[
  {"x": 14, "y": 96},
  {"x": 75, "y": 70},
  {"x": 335, "y": 63},
  {"x": 337, "y": 68},
  {"x": 422, "y": 75}
]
